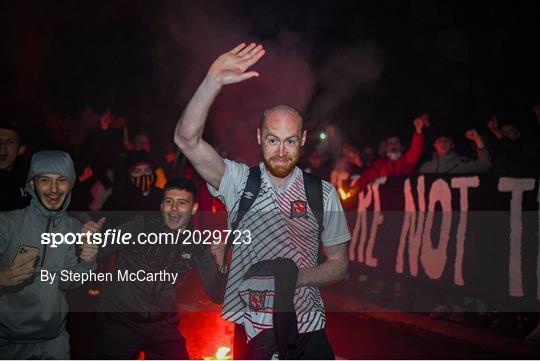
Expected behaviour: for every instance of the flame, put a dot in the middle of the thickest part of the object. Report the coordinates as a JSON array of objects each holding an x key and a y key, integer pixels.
[
  {"x": 93, "y": 293},
  {"x": 344, "y": 195},
  {"x": 222, "y": 353}
]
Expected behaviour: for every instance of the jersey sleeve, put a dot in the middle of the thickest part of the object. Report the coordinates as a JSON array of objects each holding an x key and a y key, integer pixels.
[
  {"x": 335, "y": 230},
  {"x": 233, "y": 181}
]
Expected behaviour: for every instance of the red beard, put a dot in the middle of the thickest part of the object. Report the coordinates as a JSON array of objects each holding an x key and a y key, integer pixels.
[{"x": 280, "y": 171}]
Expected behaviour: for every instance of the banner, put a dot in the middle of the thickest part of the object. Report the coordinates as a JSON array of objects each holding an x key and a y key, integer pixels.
[{"x": 474, "y": 235}]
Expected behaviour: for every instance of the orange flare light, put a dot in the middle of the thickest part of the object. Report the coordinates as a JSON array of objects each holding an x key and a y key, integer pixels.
[
  {"x": 344, "y": 195},
  {"x": 222, "y": 353}
]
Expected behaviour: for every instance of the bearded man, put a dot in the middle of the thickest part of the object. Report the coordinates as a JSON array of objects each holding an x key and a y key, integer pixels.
[{"x": 281, "y": 222}]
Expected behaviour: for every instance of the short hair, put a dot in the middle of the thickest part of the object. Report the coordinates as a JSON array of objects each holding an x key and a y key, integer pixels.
[
  {"x": 386, "y": 139},
  {"x": 282, "y": 108},
  {"x": 447, "y": 136},
  {"x": 351, "y": 148},
  {"x": 6, "y": 124},
  {"x": 183, "y": 184}
]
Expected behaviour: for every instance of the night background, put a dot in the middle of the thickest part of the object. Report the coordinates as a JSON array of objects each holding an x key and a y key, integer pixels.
[{"x": 369, "y": 67}]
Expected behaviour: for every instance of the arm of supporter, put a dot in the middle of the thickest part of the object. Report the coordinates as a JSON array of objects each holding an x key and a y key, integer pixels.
[
  {"x": 229, "y": 187},
  {"x": 493, "y": 126},
  {"x": 332, "y": 270},
  {"x": 483, "y": 163},
  {"x": 414, "y": 152},
  {"x": 229, "y": 68},
  {"x": 133, "y": 227},
  {"x": 88, "y": 258},
  {"x": 213, "y": 281},
  {"x": 12, "y": 273},
  {"x": 72, "y": 263},
  {"x": 335, "y": 238},
  {"x": 412, "y": 155}
]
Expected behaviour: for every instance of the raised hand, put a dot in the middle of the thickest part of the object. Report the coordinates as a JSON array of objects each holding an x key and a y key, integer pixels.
[
  {"x": 88, "y": 250},
  {"x": 421, "y": 122},
  {"x": 230, "y": 67},
  {"x": 87, "y": 174},
  {"x": 493, "y": 125},
  {"x": 472, "y": 135},
  {"x": 20, "y": 270}
]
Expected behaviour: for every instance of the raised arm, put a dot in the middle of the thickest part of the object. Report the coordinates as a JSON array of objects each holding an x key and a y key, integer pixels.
[
  {"x": 412, "y": 155},
  {"x": 483, "y": 163},
  {"x": 229, "y": 68}
]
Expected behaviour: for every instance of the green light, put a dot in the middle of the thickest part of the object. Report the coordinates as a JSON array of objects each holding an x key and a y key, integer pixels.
[{"x": 323, "y": 135}]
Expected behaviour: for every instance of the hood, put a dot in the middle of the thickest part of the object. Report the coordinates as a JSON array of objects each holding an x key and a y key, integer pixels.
[
  {"x": 50, "y": 161},
  {"x": 449, "y": 156}
]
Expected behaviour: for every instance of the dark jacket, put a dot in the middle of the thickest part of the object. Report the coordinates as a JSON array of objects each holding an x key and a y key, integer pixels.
[
  {"x": 150, "y": 301},
  {"x": 269, "y": 285}
]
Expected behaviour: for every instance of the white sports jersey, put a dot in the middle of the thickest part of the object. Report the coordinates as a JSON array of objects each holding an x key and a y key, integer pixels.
[
  {"x": 281, "y": 224},
  {"x": 257, "y": 294}
]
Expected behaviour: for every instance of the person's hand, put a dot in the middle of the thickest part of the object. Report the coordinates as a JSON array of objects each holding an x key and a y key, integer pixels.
[
  {"x": 86, "y": 174},
  {"x": 89, "y": 251},
  {"x": 18, "y": 271},
  {"x": 218, "y": 253},
  {"x": 230, "y": 67},
  {"x": 421, "y": 122},
  {"x": 493, "y": 125},
  {"x": 473, "y": 136}
]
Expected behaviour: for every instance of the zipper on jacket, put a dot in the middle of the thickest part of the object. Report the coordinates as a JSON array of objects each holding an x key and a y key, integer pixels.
[{"x": 49, "y": 220}]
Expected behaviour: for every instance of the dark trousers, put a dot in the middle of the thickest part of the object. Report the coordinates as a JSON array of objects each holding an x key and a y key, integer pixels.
[
  {"x": 309, "y": 346},
  {"x": 118, "y": 339}
]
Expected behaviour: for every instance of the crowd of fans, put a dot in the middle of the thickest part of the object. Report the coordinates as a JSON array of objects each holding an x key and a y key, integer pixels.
[
  {"x": 119, "y": 172},
  {"x": 502, "y": 148}
]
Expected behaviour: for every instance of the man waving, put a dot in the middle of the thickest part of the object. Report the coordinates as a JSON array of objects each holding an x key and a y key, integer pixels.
[{"x": 281, "y": 221}]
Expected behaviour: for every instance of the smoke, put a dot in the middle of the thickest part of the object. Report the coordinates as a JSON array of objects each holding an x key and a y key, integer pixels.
[
  {"x": 348, "y": 71},
  {"x": 196, "y": 34}
]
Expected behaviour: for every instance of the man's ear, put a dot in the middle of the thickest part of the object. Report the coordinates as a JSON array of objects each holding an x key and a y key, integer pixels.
[
  {"x": 22, "y": 149},
  {"x": 304, "y": 137},
  {"x": 195, "y": 209},
  {"x": 259, "y": 136},
  {"x": 31, "y": 183}
]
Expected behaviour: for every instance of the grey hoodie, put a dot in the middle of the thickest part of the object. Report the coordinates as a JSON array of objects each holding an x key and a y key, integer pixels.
[
  {"x": 36, "y": 311},
  {"x": 455, "y": 164}
]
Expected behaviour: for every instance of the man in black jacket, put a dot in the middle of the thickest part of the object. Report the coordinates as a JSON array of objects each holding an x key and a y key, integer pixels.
[
  {"x": 12, "y": 172},
  {"x": 141, "y": 315}
]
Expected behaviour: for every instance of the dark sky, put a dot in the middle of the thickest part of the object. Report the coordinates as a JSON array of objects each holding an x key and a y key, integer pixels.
[{"x": 368, "y": 66}]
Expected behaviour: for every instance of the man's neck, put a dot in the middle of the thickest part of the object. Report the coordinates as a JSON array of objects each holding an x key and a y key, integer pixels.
[{"x": 279, "y": 182}]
